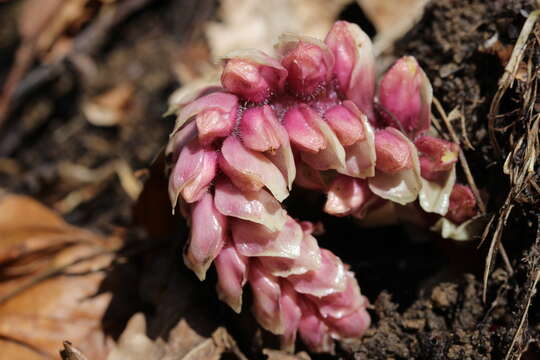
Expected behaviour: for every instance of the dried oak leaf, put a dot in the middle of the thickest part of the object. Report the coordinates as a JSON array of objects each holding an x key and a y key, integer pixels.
[
  {"x": 183, "y": 344},
  {"x": 49, "y": 282}
]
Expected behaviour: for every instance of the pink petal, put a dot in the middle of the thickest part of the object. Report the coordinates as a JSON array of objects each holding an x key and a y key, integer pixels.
[
  {"x": 253, "y": 75},
  {"x": 232, "y": 275},
  {"x": 351, "y": 326},
  {"x": 328, "y": 279},
  {"x": 393, "y": 154},
  {"x": 193, "y": 172},
  {"x": 346, "y": 195},
  {"x": 308, "y": 61},
  {"x": 345, "y": 124},
  {"x": 216, "y": 115},
  {"x": 435, "y": 195},
  {"x": 283, "y": 158},
  {"x": 253, "y": 239},
  {"x": 354, "y": 64},
  {"x": 250, "y": 170},
  {"x": 462, "y": 204},
  {"x": 258, "y": 129},
  {"x": 313, "y": 331},
  {"x": 437, "y": 156},
  {"x": 404, "y": 185},
  {"x": 179, "y": 139},
  {"x": 208, "y": 234},
  {"x": 360, "y": 157},
  {"x": 320, "y": 147},
  {"x": 309, "y": 259},
  {"x": 259, "y": 207},
  {"x": 266, "y": 295},
  {"x": 406, "y": 93},
  {"x": 304, "y": 132},
  {"x": 290, "y": 313},
  {"x": 343, "y": 303}
]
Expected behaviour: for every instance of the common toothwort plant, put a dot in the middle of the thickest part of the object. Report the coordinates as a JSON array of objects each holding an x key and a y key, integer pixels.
[{"x": 309, "y": 116}]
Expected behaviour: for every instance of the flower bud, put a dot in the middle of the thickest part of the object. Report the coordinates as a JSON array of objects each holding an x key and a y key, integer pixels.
[
  {"x": 351, "y": 326},
  {"x": 231, "y": 269},
  {"x": 312, "y": 329},
  {"x": 290, "y": 315},
  {"x": 398, "y": 169},
  {"x": 328, "y": 279},
  {"x": 308, "y": 61},
  {"x": 462, "y": 204},
  {"x": 253, "y": 75},
  {"x": 354, "y": 65},
  {"x": 393, "y": 153},
  {"x": 208, "y": 234},
  {"x": 266, "y": 295},
  {"x": 259, "y": 207},
  {"x": 253, "y": 239},
  {"x": 341, "y": 304},
  {"x": 309, "y": 259},
  {"x": 215, "y": 116},
  {"x": 346, "y": 195},
  {"x": 193, "y": 172},
  {"x": 250, "y": 170},
  {"x": 437, "y": 156},
  {"x": 345, "y": 125},
  {"x": 258, "y": 129},
  {"x": 304, "y": 132},
  {"x": 405, "y": 92}
]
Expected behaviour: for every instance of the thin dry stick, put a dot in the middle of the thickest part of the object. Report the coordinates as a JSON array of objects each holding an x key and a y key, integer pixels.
[
  {"x": 531, "y": 293},
  {"x": 470, "y": 180}
]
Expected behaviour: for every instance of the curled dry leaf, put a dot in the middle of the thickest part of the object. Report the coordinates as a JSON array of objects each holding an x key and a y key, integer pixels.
[
  {"x": 109, "y": 108},
  {"x": 49, "y": 282}
]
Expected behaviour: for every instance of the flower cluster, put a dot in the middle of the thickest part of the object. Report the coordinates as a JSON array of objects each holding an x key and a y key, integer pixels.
[{"x": 309, "y": 116}]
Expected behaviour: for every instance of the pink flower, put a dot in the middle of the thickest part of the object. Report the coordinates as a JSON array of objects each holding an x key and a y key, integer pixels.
[{"x": 462, "y": 204}]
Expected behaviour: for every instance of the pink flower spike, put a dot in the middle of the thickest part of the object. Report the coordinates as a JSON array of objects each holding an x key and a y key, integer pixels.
[
  {"x": 462, "y": 204},
  {"x": 253, "y": 239},
  {"x": 266, "y": 295},
  {"x": 354, "y": 65},
  {"x": 291, "y": 315},
  {"x": 346, "y": 195},
  {"x": 312, "y": 329},
  {"x": 328, "y": 279},
  {"x": 351, "y": 326},
  {"x": 253, "y": 75},
  {"x": 215, "y": 115},
  {"x": 208, "y": 233},
  {"x": 405, "y": 92},
  {"x": 308, "y": 61},
  {"x": 341, "y": 304},
  {"x": 393, "y": 154},
  {"x": 259, "y": 207},
  {"x": 250, "y": 170},
  {"x": 193, "y": 172},
  {"x": 345, "y": 124},
  {"x": 232, "y": 275},
  {"x": 437, "y": 156},
  {"x": 305, "y": 135},
  {"x": 258, "y": 129}
]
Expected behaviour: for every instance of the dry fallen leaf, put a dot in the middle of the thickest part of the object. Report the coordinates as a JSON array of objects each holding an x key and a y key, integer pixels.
[
  {"x": 109, "y": 108},
  {"x": 49, "y": 282},
  {"x": 391, "y": 18},
  {"x": 258, "y": 24}
]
